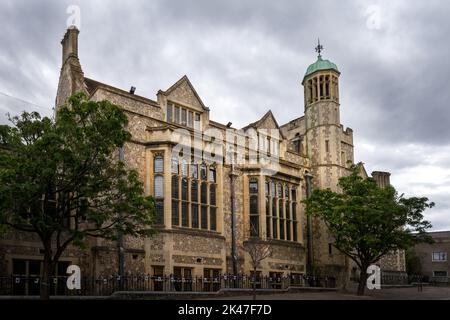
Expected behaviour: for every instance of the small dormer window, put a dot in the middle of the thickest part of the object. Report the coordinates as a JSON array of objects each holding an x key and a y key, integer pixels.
[
  {"x": 197, "y": 123},
  {"x": 190, "y": 119},
  {"x": 176, "y": 118},
  {"x": 183, "y": 116},
  {"x": 169, "y": 112}
]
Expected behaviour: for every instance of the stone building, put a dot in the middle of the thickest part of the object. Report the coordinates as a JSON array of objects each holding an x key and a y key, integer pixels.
[{"x": 194, "y": 193}]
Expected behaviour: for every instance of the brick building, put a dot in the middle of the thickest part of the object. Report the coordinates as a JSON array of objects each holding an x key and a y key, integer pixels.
[{"x": 434, "y": 257}]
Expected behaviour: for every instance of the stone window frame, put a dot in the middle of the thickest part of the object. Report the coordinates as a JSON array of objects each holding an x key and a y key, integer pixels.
[
  {"x": 281, "y": 213},
  {"x": 297, "y": 143},
  {"x": 199, "y": 213},
  {"x": 254, "y": 213},
  {"x": 287, "y": 212},
  {"x": 294, "y": 216},
  {"x": 187, "y": 117},
  {"x": 280, "y": 221},
  {"x": 169, "y": 112},
  {"x": 343, "y": 158},
  {"x": 158, "y": 175},
  {"x": 176, "y": 114}
]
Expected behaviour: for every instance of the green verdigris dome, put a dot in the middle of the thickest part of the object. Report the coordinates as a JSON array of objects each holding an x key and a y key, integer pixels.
[{"x": 320, "y": 64}]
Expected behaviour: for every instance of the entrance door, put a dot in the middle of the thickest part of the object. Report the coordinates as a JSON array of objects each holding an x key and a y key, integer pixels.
[
  {"x": 211, "y": 279},
  {"x": 275, "y": 279},
  {"x": 183, "y": 279},
  {"x": 158, "y": 278}
]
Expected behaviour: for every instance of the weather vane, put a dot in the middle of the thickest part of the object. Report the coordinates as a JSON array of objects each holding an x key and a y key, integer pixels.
[{"x": 319, "y": 47}]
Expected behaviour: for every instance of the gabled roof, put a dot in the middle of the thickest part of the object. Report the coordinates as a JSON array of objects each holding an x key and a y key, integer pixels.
[
  {"x": 178, "y": 83},
  {"x": 258, "y": 123},
  {"x": 363, "y": 172}
]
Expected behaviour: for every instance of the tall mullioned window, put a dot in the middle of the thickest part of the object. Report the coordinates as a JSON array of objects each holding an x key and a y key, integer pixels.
[
  {"x": 158, "y": 187},
  {"x": 281, "y": 210},
  {"x": 175, "y": 191},
  {"x": 254, "y": 208},
  {"x": 212, "y": 199},
  {"x": 287, "y": 212},
  {"x": 194, "y": 194},
  {"x": 274, "y": 211},
  {"x": 268, "y": 219},
  {"x": 183, "y": 116},
  {"x": 294, "y": 214}
]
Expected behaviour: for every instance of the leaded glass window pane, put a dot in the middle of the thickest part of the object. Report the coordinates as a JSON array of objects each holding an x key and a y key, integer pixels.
[
  {"x": 212, "y": 194},
  {"x": 159, "y": 187},
  {"x": 169, "y": 113},
  {"x": 184, "y": 168},
  {"x": 194, "y": 191},
  {"x": 184, "y": 189},
  {"x": 174, "y": 165},
  {"x": 212, "y": 218},
  {"x": 253, "y": 186},
  {"x": 175, "y": 184},
  {"x": 158, "y": 164},
  {"x": 194, "y": 213},
  {"x": 204, "y": 217},
  {"x": 194, "y": 171},
  {"x": 212, "y": 175}
]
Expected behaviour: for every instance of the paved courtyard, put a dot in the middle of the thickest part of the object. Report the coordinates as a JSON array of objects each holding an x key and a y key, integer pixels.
[{"x": 410, "y": 293}]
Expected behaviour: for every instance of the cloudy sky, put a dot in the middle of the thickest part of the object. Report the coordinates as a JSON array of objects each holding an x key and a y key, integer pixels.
[{"x": 245, "y": 57}]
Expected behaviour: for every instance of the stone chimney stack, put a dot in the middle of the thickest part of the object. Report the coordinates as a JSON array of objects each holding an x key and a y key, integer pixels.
[
  {"x": 70, "y": 44},
  {"x": 382, "y": 178},
  {"x": 71, "y": 77}
]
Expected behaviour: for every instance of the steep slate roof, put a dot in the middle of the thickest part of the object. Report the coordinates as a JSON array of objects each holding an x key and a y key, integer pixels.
[
  {"x": 93, "y": 85},
  {"x": 178, "y": 83}
]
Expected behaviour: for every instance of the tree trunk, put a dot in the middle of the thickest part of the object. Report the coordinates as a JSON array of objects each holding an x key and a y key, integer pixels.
[
  {"x": 47, "y": 272},
  {"x": 254, "y": 284},
  {"x": 362, "y": 282},
  {"x": 345, "y": 275}
]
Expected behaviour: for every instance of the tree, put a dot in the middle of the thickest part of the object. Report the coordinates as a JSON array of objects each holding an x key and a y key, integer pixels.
[
  {"x": 62, "y": 180},
  {"x": 413, "y": 263},
  {"x": 258, "y": 251},
  {"x": 367, "y": 222}
]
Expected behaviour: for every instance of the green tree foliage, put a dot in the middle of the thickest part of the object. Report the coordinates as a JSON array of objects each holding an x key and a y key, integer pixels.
[
  {"x": 413, "y": 263},
  {"x": 62, "y": 180},
  {"x": 367, "y": 222}
]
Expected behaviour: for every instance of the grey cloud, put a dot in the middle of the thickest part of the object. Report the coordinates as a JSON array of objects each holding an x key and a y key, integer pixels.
[{"x": 245, "y": 57}]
